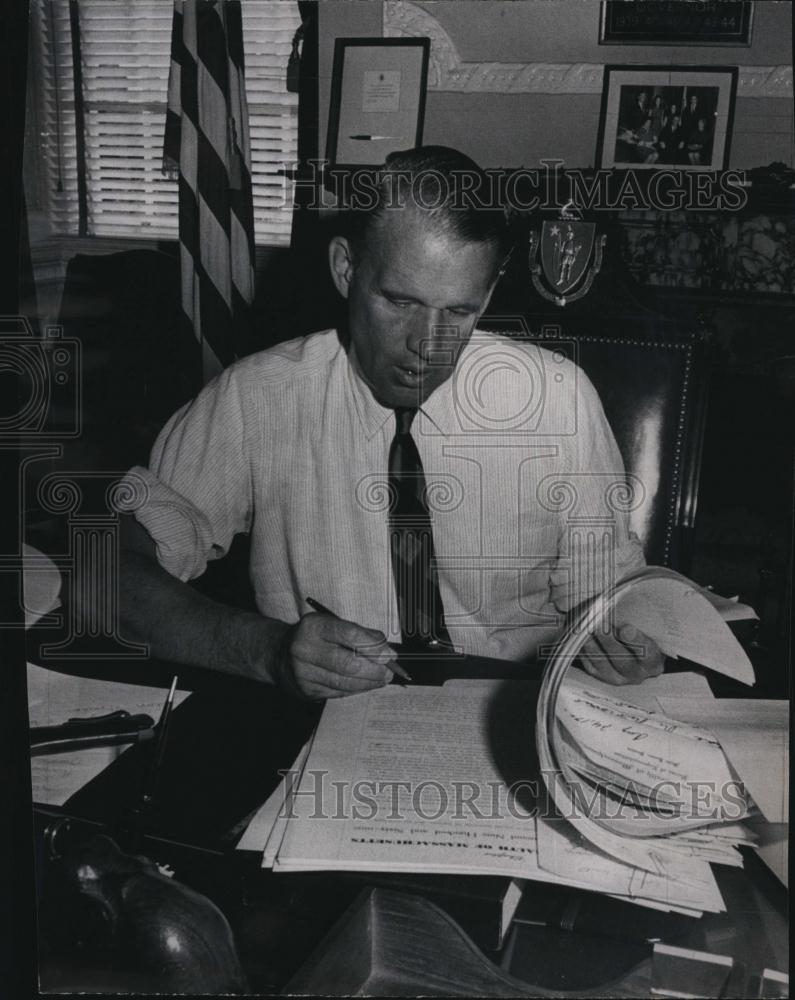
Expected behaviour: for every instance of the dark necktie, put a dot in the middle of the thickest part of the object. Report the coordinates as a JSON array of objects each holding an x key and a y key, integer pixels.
[{"x": 411, "y": 544}]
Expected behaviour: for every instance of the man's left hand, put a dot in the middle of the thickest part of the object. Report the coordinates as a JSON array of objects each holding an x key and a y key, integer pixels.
[{"x": 624, "y": 656}]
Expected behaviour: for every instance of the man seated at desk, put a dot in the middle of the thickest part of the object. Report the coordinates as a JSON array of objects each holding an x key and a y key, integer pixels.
[{"x": 336, "y": 452}]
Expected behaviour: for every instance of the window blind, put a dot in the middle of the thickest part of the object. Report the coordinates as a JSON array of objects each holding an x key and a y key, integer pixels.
[{"x": 125, "y": 55}]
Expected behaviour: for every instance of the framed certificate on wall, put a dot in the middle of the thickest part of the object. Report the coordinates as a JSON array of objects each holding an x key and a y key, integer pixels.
[{"x": 377, "y": 99}]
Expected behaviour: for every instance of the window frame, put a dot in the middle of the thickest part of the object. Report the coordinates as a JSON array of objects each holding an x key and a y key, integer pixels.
[{"x": 273, "y": 226}]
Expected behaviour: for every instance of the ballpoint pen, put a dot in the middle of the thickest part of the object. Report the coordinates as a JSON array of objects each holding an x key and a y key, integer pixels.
[
  {"x": 323, "y": 610},
  {"x": 371, "y": 138}
]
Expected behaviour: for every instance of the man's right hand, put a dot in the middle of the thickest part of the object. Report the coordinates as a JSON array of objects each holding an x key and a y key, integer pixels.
[
  {"x": 327, "y": 657},
  {"x": 319, "y": 657}
]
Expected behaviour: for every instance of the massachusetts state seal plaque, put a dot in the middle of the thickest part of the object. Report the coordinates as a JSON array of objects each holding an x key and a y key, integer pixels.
[{"x": 571, "y": 256}]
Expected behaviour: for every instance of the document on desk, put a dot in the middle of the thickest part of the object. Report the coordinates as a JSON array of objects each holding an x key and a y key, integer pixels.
[
  {"x": 55, "y": 697},
  {"x": 414, "y": 779},
  {"x": 676, "y": 768},
  {"x": 633, "y": 755},
  {"x": 754, "y": 735},
  {"x": 606, "y": 791},
  {"x": 689, "y": 887},
  {"x": 442, "y": 780},
  {"x": 262, "y": 827},
  {"x": 681, "y": 617},
  {"x": 643, "y": 783}
]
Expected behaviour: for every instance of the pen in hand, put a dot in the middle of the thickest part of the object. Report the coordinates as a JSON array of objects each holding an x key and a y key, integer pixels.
[{"x": 323, "y": 610}]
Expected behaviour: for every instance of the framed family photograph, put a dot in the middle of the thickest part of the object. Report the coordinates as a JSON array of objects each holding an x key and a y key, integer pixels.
[
  {"x": 377, "y": 99},
  {"x": 662, "y": 22},
  {"x": 665, "y": 116}
]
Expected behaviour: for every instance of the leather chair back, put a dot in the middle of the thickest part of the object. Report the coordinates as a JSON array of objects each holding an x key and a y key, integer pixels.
[
  {"x": 654, "y": 396},
  {"x": 653, "y": 391}
]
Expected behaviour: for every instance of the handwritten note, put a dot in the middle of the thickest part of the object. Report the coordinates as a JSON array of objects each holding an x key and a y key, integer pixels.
[{"x": 675, "y": 762}]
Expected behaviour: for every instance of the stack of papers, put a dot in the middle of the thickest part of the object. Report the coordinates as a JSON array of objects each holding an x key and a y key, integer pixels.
[
  {"x": 613, "y": 789},
  {"x": 417, "y": 779}
]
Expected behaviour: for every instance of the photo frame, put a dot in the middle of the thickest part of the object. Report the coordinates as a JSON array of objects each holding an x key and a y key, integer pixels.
[
  {"x": 377, "y": 104},
  {"x": 661, "y": 22},
  {"x": 655, "y": 117}
]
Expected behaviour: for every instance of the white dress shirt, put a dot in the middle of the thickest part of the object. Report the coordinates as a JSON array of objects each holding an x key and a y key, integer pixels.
[{"x": 290, "y": 446}]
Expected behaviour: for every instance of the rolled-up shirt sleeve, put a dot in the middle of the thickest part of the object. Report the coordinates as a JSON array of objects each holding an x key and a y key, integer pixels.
[
  {"x": 197, "y": 489},
  {"x": 597, "y": 547}
]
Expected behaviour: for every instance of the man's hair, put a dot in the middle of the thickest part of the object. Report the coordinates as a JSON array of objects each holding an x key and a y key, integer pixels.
[{"x": 451, "y": 191}]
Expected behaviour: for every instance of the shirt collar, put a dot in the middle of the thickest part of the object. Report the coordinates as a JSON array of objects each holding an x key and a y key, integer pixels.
[
  {"x": 437, "y": 408},
  {"x": 372, "y": 414}
]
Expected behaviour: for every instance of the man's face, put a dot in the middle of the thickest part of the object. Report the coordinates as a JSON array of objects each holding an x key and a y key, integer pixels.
[{"x": 414, "y": 296}]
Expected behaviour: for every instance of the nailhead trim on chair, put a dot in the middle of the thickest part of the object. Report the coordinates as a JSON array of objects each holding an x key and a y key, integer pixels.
[{"x": 676, "y": 497}]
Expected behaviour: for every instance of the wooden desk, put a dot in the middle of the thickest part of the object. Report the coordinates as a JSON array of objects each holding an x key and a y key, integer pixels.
[
  {"x": 226, "y": 744},
  {"x": 291, "y": 929}
]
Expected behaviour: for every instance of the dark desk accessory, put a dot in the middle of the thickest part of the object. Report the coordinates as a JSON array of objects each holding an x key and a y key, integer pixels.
[
  {"x": 139, "y": 812},
  {"x": 112, "y": 922},
  {"x": 556, "y": 960},
  {"x": 114, "y": 729},
  {"x": 597, "y": 915},
  {"x": 390, "y": 944},
  {"x": 483, "y": 906},
  {"x": 225, "y": 747},
  {"x": 580, "y": 964},
  {"x": 702, "y": 974}
]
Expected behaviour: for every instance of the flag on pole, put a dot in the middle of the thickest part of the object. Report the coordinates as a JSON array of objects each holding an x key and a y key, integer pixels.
[{"x": 207, "y": 147}]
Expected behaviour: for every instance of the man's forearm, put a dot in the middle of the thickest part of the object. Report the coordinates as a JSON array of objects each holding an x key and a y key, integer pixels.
[
  {"x": 181, "y": 625},
  {"x": 184, "y": 626},
  {"x": 320, "y": 656}
]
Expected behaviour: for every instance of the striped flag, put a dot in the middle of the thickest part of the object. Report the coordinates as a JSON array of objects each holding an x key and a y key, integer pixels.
[{"x": 207, "y": 147}]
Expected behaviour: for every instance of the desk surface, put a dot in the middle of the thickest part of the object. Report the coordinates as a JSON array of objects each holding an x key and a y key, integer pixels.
[
  {"x": 214, "y": 775},
  {"x": 283, "y": 921}
]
